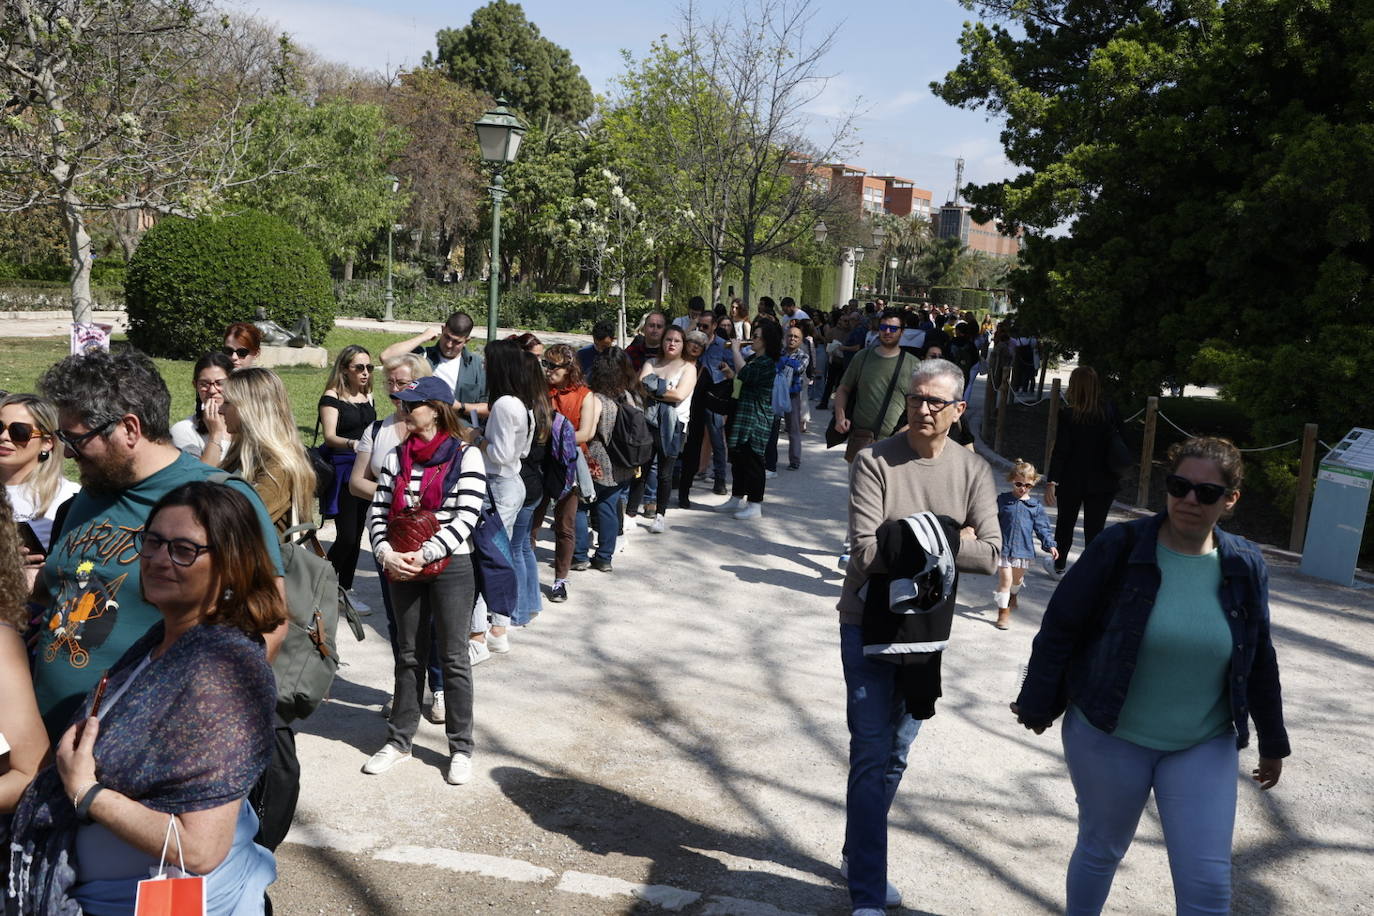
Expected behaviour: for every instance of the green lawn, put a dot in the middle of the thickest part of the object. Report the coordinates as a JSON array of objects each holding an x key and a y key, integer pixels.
[{"x": 23, "y": 360}]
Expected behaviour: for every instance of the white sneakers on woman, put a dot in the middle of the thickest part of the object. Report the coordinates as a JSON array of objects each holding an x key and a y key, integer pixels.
[
  {"x": 385, "y": 759},
  {"x": 733, "y": 504},
  {"x": 659, "y": 525},
  {"x": 498, "y": 644},
  {"x": 751, "y": 510}
]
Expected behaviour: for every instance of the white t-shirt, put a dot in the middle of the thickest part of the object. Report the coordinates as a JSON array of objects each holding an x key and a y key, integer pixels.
[
  {"x": 509, "y": 432},
  {"x": 387, "y": 438},
  {"x": 21, "y": 499},
  {"x": 186, "y": 437},
  {"x": 798, "y": 315},
  {"x": 684, "y": 322}
]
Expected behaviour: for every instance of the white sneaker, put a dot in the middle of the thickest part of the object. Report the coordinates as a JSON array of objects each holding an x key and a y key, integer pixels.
[
  {"x": 459, "y": 769},
  {"x": 733, "y": 504},
  {"x": 359, "y": 605},
  {"x": 436, "y": 709},
  {"x": 498, "y": 644},
  {"x": 843, "y": 561},
  {"x": 751, "y": 510},
  {"x": 893, "y": 896},
  {"x": 769, "y": 475},
  {"x": 659, "y": 525},
  {"x": 477, "y": 652},
  {"x": 385, "y": 759}
]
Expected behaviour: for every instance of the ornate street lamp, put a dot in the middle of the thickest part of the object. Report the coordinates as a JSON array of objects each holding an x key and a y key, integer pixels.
[
  {"x": 499, "y": 133},
  {"x": 821, "y": 232},
  {"x": 390, "y": 227},
  {"x": 892, "y": 287}
]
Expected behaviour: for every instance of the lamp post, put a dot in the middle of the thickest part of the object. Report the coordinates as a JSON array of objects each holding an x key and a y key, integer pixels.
[
  {"x": 821, "y": 232},
  {"x": 892, "y": 283},
  {"x": 499, "y": 133},
  {"x": 390, "y": 227}
]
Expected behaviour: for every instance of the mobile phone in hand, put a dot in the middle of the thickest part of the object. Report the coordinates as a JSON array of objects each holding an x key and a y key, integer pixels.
[{"x": 99, "y": 695}]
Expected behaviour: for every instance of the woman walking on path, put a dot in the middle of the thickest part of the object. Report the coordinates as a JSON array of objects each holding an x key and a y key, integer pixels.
[
  {"x": 1022, "y": 519},
  {"x": 202, "y": 435},
  {"x": 669, "y": 380},
  {"x": 1080, "y": 475},
  {"x": 1158, "y": 643},
  {"x": 753, "y": 422},
  {"x": 431, "y": 472},
  {"x": 346, "y": 411}
]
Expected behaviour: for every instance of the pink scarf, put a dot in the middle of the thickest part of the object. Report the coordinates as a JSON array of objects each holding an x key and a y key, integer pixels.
[{"x": 434, "y": 456}]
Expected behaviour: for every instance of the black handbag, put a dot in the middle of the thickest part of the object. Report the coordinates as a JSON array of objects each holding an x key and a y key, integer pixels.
[{"x": 324, "y": 467}]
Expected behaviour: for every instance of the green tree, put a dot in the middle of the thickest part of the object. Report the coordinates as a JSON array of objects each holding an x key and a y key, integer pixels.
[
  {"x": 501, "y": 53},
  {"x": 332, "y": 159},
  {"x": 1211, "y": 161}
]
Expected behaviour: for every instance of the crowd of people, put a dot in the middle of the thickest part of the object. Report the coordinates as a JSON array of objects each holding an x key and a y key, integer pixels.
[{"x": 138, "y": 674}]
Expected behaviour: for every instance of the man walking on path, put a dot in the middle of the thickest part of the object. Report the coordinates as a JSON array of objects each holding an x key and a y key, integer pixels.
[
  {"x": 918, "y": 471},
  {"x": 868, "y": 402}
]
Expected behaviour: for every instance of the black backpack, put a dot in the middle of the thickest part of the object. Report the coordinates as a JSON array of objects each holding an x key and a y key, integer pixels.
[{"x": 632, "y": 442}]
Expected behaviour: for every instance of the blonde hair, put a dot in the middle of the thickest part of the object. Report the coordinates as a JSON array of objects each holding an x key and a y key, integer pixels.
[
  {"x": 419, "y": 366},
  {"x": 267, "y": 443},
  {"x": 1021, "y": 469},
  {"x": 44, "y": 482}
]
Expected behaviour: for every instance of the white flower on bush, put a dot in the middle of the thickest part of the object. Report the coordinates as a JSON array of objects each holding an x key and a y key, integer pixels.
[
  {"x": 573, "y": 226},
  {"x": 609, "y": 176},
  {"x": 649, "y": 242},
  {"x": 588, "y": 204}
]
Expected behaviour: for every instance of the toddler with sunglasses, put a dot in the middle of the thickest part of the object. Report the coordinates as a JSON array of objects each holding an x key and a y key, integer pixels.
[{"x": 1022, "y": 519}]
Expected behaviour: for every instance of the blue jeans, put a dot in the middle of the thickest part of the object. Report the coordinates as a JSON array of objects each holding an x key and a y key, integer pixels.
[
  {"x": 1195, "y": 792},
  {"x": 880, "y": 736},
  {"x": 720, "y": 455},
  {"x": 582, "y": 534},
  {"x": 529, "y": 600},
  {"x": 606, "y": 518}
]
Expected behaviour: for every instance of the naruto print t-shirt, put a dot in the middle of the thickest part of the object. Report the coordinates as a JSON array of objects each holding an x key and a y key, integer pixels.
[{"x": 96, "y": 610}]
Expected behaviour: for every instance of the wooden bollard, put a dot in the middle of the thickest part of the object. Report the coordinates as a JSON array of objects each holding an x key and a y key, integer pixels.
[
  {"x": 1003, "y": 396},
  {"x": 1052, "y": 427},
  {"x": 1147, "y": 452},
  {"x": 1302, "y": 497}
]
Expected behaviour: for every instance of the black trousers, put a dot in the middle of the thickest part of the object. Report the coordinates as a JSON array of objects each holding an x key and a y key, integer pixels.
[
  {"x": 833, "y": 373},
  {"x": 1094, "y": 507},
  {"x": 746, "y": 466},
  {"x": 348, "y": 536}
]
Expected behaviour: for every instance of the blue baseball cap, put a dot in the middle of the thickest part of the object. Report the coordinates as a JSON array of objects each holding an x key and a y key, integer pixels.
[{"x": 429, "y": 388}]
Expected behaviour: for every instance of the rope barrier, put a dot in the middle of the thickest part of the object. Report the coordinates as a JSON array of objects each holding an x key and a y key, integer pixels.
[
  {"x": 1133, "y": 416},
  {"x": 1165, "y": 418},
  {"x": 1269, "y": 448},
  {"x": 1324, "y": 445},
  {"x": 1264, "y": 448}
]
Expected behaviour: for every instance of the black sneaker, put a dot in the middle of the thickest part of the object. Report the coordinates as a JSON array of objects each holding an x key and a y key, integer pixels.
[
  {"x": 601, "y": 565},
  {"x": 719, "y": 488},
  {"x": 684, "y": 502},
  {"x": 579, "y": 565},
  {"x": 558, "y": 593}
]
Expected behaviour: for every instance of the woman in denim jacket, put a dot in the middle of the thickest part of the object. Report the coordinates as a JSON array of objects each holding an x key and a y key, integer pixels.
[{"x": 1157, "y": 643}]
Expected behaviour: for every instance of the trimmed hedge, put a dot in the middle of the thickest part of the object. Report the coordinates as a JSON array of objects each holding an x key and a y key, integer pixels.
[{"x": 190, "y": 279}]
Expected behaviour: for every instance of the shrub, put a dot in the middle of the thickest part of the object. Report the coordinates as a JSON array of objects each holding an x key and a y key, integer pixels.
[{"x": 190, "y": 279}]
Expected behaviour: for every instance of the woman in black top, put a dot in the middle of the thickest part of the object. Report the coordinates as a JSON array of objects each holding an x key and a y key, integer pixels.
[
  {"x": 1080, "y": 475},
  {"x": 346, "y": 411}
]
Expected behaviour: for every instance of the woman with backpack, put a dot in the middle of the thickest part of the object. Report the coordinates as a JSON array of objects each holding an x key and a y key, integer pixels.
[
  {"x": 614, "y": 386},
  {"x": 568, "y": 393},
  {"x": 429, "y": 496},
  {"x": 669, "y": 380},
  {"x": 754, "y": 421}
]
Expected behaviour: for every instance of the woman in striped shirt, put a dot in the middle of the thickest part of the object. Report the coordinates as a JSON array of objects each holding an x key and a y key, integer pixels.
[{"x": 432, "y": 469}]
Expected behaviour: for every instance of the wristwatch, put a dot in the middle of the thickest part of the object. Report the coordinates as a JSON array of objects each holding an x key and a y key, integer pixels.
[{"x": 83, "y": 807}]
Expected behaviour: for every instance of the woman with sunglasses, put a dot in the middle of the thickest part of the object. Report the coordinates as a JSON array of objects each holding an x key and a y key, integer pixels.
[
  {"x": 1080, "y": 474},
  {"x": 1158, "y": 643},
  {"x": 242, "y": 344},
  {"x": 203, "y": 434},
  {"x": 31, "y": 459},
  {"x": 568, "y": 394},
  {"x": 346, "y": 410},
  {"x": 20, "y": 722},
  {"x": 180, "y": 730}
]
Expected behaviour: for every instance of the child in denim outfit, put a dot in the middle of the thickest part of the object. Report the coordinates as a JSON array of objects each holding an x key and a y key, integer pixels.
[{"x": 1023, "y": 519}]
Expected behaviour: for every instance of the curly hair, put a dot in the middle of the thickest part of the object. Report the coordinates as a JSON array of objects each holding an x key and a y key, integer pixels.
[
  {"x": 1211, "y": 448},
  {"x": 101, "y": 386}
]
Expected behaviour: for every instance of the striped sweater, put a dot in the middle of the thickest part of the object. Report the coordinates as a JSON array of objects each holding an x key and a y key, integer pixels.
[{"x": 456, "y": 514}]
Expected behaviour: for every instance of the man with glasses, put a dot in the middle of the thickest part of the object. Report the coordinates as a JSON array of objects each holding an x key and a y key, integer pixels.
[
  {"x": 868, "y": 401},
  {"x": 918, "y": 471},
  {"x": 461, "y": 369},
  {"x": 112, "y": 419}
]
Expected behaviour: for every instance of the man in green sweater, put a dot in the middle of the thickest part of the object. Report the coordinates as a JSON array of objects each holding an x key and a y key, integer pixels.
[{"x": 918, "y": 470}]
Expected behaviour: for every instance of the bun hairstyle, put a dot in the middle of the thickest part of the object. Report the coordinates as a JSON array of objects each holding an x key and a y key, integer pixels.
[{"x": 1021, "y": 469}]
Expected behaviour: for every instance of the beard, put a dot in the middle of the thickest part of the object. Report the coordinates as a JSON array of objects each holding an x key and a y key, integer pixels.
[{"x": 106, "y": 475}]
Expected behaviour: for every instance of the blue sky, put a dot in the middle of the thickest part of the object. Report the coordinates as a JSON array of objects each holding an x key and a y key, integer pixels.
[{"x": 886, "y": 54}]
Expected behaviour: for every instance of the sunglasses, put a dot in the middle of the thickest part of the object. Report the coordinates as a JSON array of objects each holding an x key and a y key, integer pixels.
[
  {"x": 240, "y": 352},
  {"x": 179, "y": 550},
  {"x": 76, "y": 442},
  {"x": 362, "y": 367},
  {"x": 1022, "y": 485},
  {"x": 889, "y": 327},
  {"x": 22, "y": 433},
  {"x": 935, "y": 404},
  {"x": 1207, "y": 493},
  {"x": 551, "y": 366}
]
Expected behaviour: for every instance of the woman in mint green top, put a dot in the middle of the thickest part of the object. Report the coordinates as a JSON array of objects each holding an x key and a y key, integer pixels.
[{"x": 1157, "y": 641}]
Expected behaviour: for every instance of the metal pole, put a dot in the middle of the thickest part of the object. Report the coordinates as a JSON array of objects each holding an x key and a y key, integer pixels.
[
  {"x": 390, "y": 294},
  {"x": 498, "y": 191}
]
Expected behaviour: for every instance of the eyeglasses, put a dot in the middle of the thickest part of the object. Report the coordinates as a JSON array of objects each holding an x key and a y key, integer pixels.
[
  {"x": 550, "y": 365},
  {"x": 206, "y": 383},
  {"x": 1021, "y": 484},
  {"x": 240, "y": 352},
  {"x": 22, "y": 433},
  {"x": 179, "y": 550},
  {"x": 889, "y": 327},
  {"x": 362, "y": 367},
  {"x": 76, "y": 442},
  {"x": 935, "y": 404},
  {"x": 1207, "y": 493}
]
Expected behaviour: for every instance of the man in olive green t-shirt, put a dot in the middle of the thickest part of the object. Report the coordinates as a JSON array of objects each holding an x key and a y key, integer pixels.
[{"x": 870, "y": 401}]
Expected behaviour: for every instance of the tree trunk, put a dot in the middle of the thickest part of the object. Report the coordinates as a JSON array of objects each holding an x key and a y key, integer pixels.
[
  {"x": 620, "y": 318},
  {"x": 348, "y": 270},
  {"x": 746, "y": 268},
  {"x": 717, "y": 277},
  {"x": 79, "y": 244}
]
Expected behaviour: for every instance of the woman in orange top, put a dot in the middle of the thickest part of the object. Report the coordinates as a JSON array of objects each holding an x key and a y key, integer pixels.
[{"x": 567, "y": 391}]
